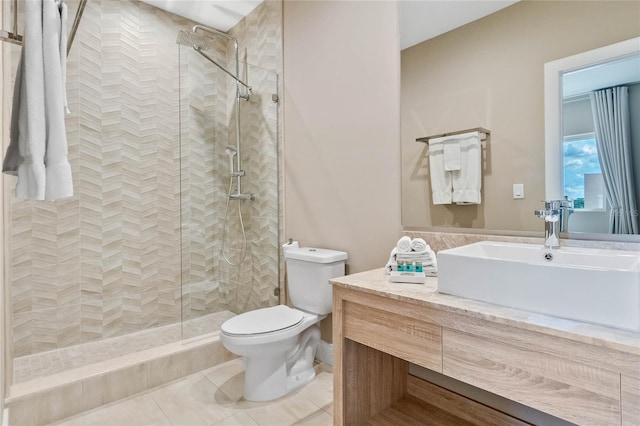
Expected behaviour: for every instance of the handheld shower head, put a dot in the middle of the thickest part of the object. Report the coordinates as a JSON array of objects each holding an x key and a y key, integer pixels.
[{"x": 231, "y": 153}]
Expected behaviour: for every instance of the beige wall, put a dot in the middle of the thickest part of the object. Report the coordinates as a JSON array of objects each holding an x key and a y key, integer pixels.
[
  {"x": 341, "y": 121},
  {"x": 489, "y": 74}
]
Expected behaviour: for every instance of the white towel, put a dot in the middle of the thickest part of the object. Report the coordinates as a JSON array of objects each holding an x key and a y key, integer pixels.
[
  {"x": 411, "y": 255},
  {"x": 63, "y": 51},
  {"x": 430, "y": 271},
  {"x": 441, "y": 185},
  {"x": 404, "y": 244},
  {"x": 418, "y": 244},
  {"x": 391, "y": 263},
  {"x": 37, "y": 152},
  {"x": 427, "y": 258},
  {"x": 468, "y": 180},
  {"x": 451, "y": 154}
]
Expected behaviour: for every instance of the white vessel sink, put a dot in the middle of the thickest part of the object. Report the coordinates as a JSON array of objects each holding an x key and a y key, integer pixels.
[{"x": 591, "y": 285}]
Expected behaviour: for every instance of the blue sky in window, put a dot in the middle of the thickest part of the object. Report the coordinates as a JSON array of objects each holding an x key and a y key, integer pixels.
[{"x": 580, "y": 157}]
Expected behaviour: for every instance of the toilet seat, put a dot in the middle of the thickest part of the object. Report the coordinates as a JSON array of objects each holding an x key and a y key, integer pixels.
[{"x": 261, "y": 321}]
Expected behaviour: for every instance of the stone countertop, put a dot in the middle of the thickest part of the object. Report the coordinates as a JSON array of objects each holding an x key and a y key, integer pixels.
[{"x": 377, "y": 282}]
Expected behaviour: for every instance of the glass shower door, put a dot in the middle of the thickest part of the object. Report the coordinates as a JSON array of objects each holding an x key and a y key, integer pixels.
[{"x": 229, "y": 248}]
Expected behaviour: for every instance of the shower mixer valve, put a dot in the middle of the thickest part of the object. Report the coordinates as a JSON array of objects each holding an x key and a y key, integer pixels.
[{"x": 243, "y": 197}]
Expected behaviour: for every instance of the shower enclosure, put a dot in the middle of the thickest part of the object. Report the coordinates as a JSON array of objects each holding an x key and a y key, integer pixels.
[
  {"x": 134, "y": 259},
  {"x": 230, "y": 250}
]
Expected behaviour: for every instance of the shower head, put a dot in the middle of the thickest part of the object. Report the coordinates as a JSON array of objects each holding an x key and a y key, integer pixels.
[
  {"x": 200, "y": 43},
  {"x": 231, "y": 152},
  {"x": 194, "y": 40}
]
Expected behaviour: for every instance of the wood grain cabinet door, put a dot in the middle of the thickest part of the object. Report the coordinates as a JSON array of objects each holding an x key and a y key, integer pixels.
[
  {"x": 407, "y": 338},
  {"x": 630, "y": 401},
  {"x": 572, "y": 391}
]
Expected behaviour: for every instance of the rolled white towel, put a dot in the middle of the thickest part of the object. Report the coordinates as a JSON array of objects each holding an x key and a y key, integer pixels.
[
  {"x": 404, "y": 244},
  {"x": 418, "y": 244}
]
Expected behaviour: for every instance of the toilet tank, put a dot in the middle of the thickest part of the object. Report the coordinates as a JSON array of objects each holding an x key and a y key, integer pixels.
[{"x": 308, "y": 272}]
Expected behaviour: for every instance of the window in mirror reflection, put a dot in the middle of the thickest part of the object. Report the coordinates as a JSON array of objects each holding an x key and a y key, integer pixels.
[{"x": 583, "y": 182}]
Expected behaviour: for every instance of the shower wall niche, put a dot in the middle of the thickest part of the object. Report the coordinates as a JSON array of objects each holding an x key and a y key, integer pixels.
[{"x": 136, "y": 248}]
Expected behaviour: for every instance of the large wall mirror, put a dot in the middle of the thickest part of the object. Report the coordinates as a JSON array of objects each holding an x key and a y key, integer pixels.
[
  {"x": 592, "y": 123},
  {"x": 490, "y": 74}
]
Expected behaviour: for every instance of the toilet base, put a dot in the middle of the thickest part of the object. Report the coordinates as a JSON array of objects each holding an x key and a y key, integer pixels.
[
  {"x": 299, "y": 380},
  {"x": 265, "y": 378},
  {"x": 269, "y": 378}
]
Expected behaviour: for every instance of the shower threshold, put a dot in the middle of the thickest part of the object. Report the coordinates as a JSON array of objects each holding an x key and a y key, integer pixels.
[
  {"x": 108, "y": 375},
  {"x": 37, "y": 366}
]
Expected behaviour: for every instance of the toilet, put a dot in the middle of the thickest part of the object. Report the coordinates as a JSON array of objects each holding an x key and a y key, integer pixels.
[{"x": 279, "y": 343}]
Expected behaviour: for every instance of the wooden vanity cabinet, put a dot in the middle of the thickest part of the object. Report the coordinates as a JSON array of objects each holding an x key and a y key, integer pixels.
[
  {"x": 630, "y": 394},
  {"x": 404, "y": 337},
  {"x": 562, "y": 387},
  {"x": 375, "y": 337}
]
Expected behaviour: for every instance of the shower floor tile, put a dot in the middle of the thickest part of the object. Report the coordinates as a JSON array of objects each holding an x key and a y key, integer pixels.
[
  {"x": 214, "y": 398},
  {"x": 44, "y": 364}
]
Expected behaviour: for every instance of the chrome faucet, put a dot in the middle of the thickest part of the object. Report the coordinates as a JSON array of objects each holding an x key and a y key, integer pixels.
[{"x": 554, "y": 214}]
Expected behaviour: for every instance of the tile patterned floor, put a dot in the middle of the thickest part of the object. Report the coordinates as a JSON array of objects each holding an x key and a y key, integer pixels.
[
  {"x": 213, "y": 397},
  {"x": 44, "y": 364}
]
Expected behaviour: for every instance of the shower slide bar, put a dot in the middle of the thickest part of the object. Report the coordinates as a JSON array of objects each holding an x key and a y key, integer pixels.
[{"x": 15, "y": 38}]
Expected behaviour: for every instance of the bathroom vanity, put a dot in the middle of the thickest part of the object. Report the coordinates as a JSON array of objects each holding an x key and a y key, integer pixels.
[{"x": 582, "y": 373}]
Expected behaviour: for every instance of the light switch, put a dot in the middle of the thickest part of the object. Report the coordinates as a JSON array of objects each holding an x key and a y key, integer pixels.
[{"x": 518, "y": 190}]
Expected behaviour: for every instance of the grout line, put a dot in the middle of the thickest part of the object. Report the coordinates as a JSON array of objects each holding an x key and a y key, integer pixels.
[{"x": 158, "y": 406}]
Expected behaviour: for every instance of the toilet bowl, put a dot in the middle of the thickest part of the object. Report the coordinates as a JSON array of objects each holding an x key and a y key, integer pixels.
[{"x": 279, "y": 343}]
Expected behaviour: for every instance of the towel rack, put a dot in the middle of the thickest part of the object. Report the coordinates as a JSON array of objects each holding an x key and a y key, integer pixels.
[
  {"x": 15, "y": 38},
  {"x": 484, "y": 134}
]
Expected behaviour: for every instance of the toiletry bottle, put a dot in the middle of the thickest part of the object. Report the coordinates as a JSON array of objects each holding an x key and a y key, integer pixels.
[
  {"x": 418, "y": 267},
  {"x": 400, "y": 265},
  {"x": 408, "y": 267}
]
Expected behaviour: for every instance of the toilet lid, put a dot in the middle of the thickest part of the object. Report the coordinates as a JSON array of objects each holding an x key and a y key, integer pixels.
[{"x": 263, "y": 320}]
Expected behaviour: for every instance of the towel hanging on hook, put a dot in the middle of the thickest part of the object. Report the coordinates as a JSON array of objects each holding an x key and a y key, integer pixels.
[
  {"x": 37, "y": 152},
  {"x": 456, "y": 178}
]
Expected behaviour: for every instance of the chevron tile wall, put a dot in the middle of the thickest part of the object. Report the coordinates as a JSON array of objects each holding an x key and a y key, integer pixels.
[{"x": 139, "y": 245}]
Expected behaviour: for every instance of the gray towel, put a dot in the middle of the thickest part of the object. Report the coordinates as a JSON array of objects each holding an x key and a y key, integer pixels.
[{"x": 37, "y": 151}]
